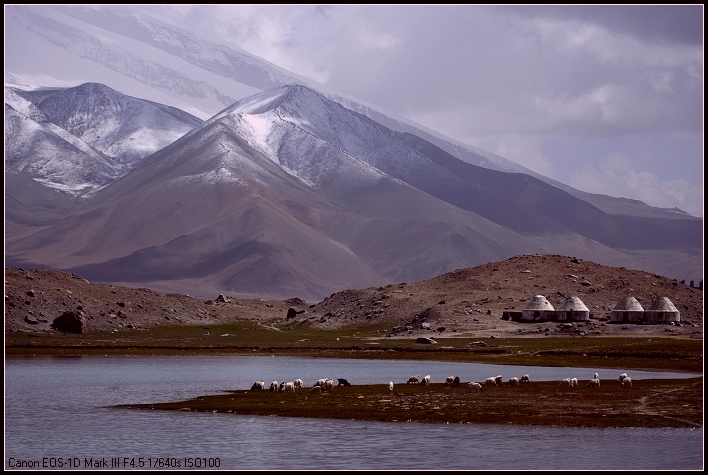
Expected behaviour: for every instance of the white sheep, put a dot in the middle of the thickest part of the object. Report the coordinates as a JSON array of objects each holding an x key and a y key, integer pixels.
[
  {"x": 328, "y": 385},
  {"x": 258, "y": 386},
  {"x": 474, "y": 387},
  {"x": 390, "y": 385},
  {"x": 316, "y": 389},
  {"x": 597, "y": 376},
  {"x": 289, "y": 387},
  {"x": 274, "y": 387},
  {"x": 627, "y": 382},
  {"x": 498, "y": 380},
  {"x": 449, "y": 380},
  {"x": 426, "y": 380},
  {"x": 565, "y": 382},
  {"x": 491, "y": 381},
  {"x": 574, "y": 382},
  {"x": 298, "y": 383},
  {"x": 594, "y": 383},
  {"x": 513, "y": 382},
  {"x": 525, "y": 379},
  {"x": 622, "y": 376}
]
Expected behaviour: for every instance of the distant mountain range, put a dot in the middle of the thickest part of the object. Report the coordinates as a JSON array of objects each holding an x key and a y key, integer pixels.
[{"x": 292, "y": 190}]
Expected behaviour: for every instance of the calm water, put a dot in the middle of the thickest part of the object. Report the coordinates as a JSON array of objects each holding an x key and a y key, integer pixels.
[{"x": 57, "y": 414}]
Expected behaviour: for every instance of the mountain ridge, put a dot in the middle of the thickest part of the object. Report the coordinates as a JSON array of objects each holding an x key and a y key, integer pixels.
[{"x": 240, "y": 173}]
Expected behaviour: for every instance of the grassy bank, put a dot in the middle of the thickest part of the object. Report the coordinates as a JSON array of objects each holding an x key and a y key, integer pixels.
[{"x": 655, "y": 353}]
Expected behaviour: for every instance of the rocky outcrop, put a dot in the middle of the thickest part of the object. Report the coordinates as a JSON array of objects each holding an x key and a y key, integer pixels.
[
  {"x": 292, "y": 313},
  {"x": 70, "y": 322}
]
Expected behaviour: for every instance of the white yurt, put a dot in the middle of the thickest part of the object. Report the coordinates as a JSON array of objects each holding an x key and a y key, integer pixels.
[
  {"x": 662, "y": 310},
  {"x": 538, "y": 309},
  {"x": 572, "y": 310},
  {"x": 627, "y": 310}
]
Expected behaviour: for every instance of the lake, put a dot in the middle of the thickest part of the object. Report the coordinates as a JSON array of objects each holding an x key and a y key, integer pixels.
[{"x": 58, "y": 416}]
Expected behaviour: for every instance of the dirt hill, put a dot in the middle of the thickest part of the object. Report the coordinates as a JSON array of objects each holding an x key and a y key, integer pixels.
[{"x": 464, "y": 302}]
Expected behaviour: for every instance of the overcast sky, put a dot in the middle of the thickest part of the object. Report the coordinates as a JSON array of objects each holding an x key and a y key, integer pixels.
[{"x": 607, "y": 99}]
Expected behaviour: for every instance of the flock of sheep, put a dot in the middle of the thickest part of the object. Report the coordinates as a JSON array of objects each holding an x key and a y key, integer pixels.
[
  {"x": 327, "y": 384},
  {"x": 322, "y": 385}
]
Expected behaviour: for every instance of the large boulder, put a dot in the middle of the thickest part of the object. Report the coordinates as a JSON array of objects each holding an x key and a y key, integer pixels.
[
  {"x": 292, "y": 313},
  {"x": 70, "y": 322}
]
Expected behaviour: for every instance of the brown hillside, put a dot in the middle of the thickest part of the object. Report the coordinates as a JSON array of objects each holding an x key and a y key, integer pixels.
[{"x": 466, "y": 302}]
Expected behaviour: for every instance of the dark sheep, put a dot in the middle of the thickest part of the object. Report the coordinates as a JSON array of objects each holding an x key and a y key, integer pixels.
[{"x": 342, "y": 382}]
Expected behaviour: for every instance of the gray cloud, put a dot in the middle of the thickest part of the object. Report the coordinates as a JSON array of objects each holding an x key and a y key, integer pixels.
[{"x": 562, "y": 90}]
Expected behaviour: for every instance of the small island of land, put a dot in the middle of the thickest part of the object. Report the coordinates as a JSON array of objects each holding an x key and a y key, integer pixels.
[{"x": 651, "y": 403}]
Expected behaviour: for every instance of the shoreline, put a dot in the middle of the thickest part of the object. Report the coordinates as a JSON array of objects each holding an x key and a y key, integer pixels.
[{"x": 566, "y": 353}]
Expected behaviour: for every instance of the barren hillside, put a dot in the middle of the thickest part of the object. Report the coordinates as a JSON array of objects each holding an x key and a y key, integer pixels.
[{"x": 465, "y": 302}]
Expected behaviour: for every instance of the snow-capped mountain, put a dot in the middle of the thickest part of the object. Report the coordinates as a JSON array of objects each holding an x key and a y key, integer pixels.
[
  {"x": 77, "y": 140},
  {"x": 84, "y": 137},
  {"x": 143, "y": 57},
  {"x": 285, "y": 190},
  {"x": 289, "y": 193}
]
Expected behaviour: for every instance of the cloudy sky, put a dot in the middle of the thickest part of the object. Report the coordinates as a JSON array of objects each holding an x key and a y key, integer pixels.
[{"x": 607, "y": 99}]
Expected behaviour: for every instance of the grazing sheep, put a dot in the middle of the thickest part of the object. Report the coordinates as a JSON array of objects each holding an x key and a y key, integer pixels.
[
  {"x": 525, "y": 379},
  {"x": 449, "y": 380},
  {"x": 426, "y": 380},
  {"x": 274, "y": 387},
  {"x": 320, "y": 382},
  {"x": 258, "y": 386},
  {"x": 456, "y": 382},
  {"x": 316, "y": 389},
  {"x": 298, "y": 383},
  {"x": 498, "y": 380},
  {"x": 627, "y": 382},
  {"x": 513, "y": 381},
  {"x": 342, "y": 382},
  {"x": 594, "y": 383},
  {"x": 328, "y": 385},
  {"x": 413, "y": 379},
  {"x": 622, "y": 376},
  {"x": 597, "y": 376},
  {"x": 574, "y": 382},
  {"x": 473, "y": 387},
  {"x": 390, "y": 385},
  {"x": 289, "y": 387},
  {"x": 491, "y": 381},
  {"x": 565, "y": 382}
]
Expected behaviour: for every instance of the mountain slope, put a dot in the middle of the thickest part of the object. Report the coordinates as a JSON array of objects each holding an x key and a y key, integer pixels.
[{"x": 288, "y": 193}]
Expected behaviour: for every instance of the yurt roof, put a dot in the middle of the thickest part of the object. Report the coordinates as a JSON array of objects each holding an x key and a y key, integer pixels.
[
  {"x": 539, "y": 302},
  {"x": 663, "y": 304},
  {"x": 629, "y": 304},
  {"x": 573, "y": 303}
]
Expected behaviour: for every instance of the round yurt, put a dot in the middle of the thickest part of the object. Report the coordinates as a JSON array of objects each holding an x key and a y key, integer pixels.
[
  {"x": 627, "y": 310},
  {"x": 538, "y": 309},
  {"x": 572, "y": 310},
  {"x": 662, "y": 310}
]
